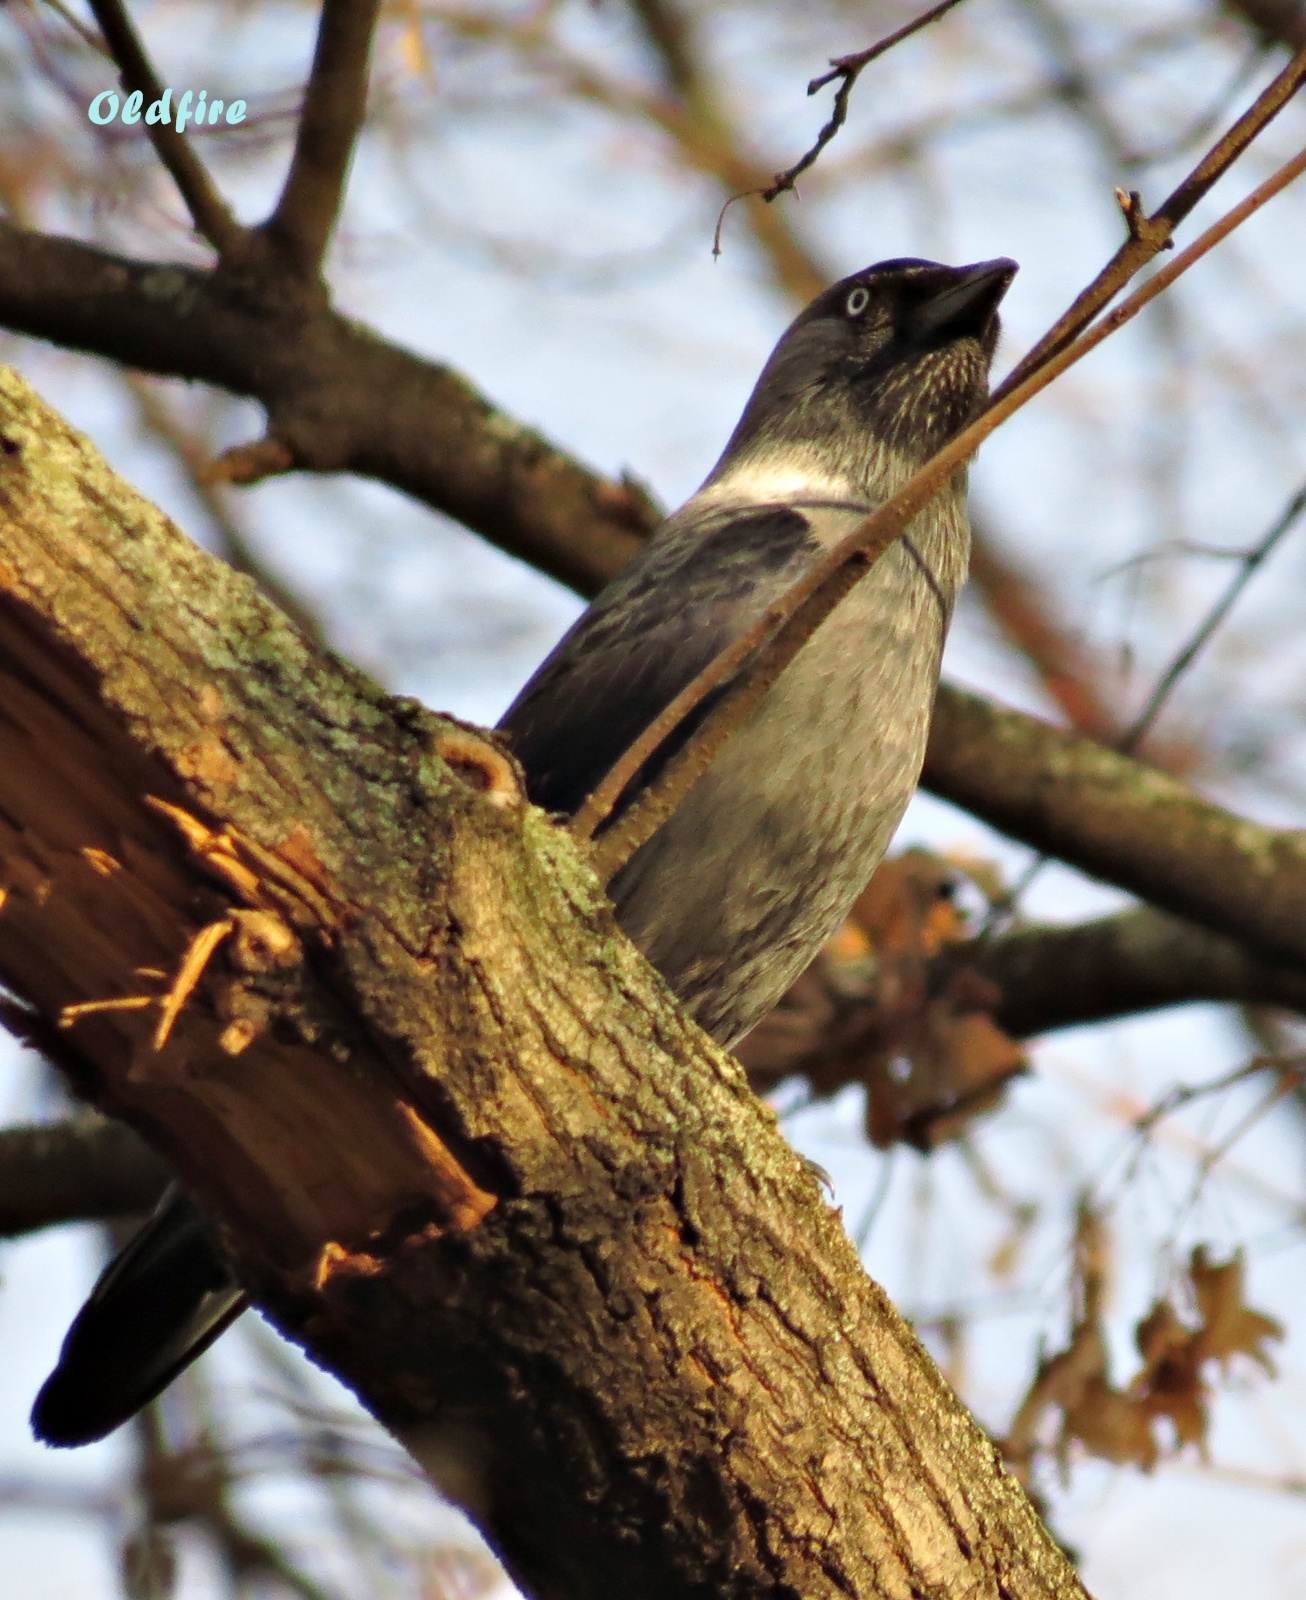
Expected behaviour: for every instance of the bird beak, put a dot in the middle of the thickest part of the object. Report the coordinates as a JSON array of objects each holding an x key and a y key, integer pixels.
[{"x": 969, "y": 302}]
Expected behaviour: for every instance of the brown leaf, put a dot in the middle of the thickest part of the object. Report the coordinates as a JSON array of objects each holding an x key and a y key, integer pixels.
[
  {"x": 1113, "y": 1425},
  {"x": 1229, "y": 1327},
  {"x": 876, "y": 1008},
  {"x": 908, "y": 906},
  {"x": 1170, "y": 1383}
]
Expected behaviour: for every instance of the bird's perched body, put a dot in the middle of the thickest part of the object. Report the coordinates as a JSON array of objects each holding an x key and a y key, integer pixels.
[{"x": 737, "y": 890}]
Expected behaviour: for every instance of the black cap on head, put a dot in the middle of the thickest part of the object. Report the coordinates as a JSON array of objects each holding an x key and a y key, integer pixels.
[{"x": 894, "y": 356}]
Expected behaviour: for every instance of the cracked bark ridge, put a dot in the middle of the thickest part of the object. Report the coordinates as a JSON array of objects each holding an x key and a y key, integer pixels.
[{"x": 475, "y": 1158}]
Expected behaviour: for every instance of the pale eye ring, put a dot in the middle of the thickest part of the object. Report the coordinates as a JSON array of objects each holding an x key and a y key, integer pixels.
[{"x": 857, "y": 301}]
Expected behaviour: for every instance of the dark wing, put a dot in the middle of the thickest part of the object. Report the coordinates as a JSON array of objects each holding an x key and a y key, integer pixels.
[
  {"x": 703, "y": 579},
  {"x": 165, "y": 1298}
]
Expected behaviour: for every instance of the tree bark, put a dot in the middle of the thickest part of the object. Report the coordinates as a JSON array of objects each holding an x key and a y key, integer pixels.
[{"x": 460, "y": 1139}]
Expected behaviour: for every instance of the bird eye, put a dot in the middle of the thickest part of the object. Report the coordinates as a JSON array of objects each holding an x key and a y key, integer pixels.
[{"x": 857, "y": 301}]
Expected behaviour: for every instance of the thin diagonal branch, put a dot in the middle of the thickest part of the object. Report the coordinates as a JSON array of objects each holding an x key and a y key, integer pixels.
[
  {"x": 209, "y": 211},
  {"x": 1150, "y": 235},
  {"x": 1250, "y": 564},
  {"x": 683, "y": 771},
  {"x": 785, "y": 627},
  {"x": 334, "y": 104}
]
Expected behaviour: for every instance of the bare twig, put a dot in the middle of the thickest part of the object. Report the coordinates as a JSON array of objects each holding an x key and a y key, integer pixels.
[
  {"x": 1149, "y": 235},
  {"x": 1250, "y": 564},
  {"x": 1185, "y": 1094},
  {"x": 787, "y": 625},
  {"x": 334, "y": 103},
  {"x": 209, "y": 211},
  {"x": 848, "y": 69}
]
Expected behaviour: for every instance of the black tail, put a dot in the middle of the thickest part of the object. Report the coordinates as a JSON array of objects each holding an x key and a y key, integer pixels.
[{"x": 160, "y": 1302}]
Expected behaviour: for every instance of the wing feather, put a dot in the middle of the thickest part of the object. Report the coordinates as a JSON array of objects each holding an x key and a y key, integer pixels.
[{"x": 679, "y": 603}]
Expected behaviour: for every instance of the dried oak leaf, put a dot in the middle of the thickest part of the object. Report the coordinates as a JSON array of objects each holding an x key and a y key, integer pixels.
[
  {"x": 1111, "y": 1424},
  {"x": 1107, "y": 1422}
]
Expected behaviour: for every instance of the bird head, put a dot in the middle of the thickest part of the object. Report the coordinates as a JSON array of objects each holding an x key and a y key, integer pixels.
[{"x": 892, "y": 361}]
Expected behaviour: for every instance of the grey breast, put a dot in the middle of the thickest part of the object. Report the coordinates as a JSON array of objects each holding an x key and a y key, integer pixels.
[{"x": 736, "y": 892}]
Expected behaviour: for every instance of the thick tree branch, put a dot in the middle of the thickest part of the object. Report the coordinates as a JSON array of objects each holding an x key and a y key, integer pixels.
[
  {"x": 459, "y": 1138},
  {"x": 338, "y": 398},
  {"x": 1058, "y": 977},
  {"x": 1123, "y": 822},
  {"x": 334, "y": 104},
  {"x": 1049, "y": 977},
  {"x": 87, "y": 1170}
]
